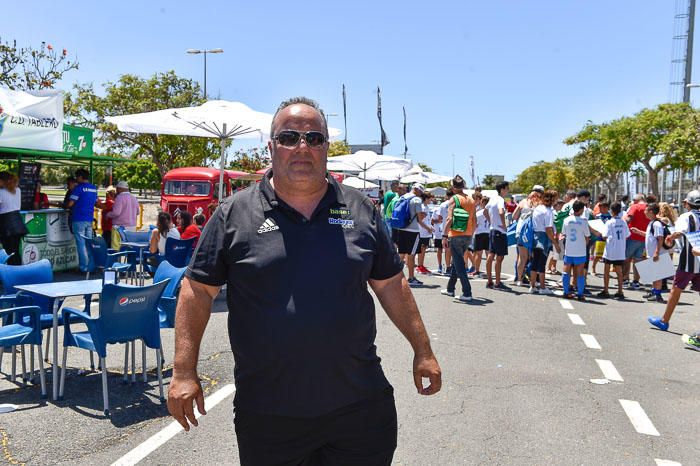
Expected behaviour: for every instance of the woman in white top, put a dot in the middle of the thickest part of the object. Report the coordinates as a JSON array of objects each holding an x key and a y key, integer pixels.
[
  {"x": 12, "y": 228},
  {"x": 522, "y": 213},
  {"x": 425, "y": 233},
  {"x": 164, "y": 231}
]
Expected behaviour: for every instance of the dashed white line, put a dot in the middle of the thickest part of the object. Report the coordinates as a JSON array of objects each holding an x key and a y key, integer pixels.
[
  {"x": 171, "y": 430},
  {"x": 639, "y": 418},
  {"x": 576, "y": 319},
  {"x": 566, "y": 304},
  {"x": 666, "y": 462},
  {"x": 590, "y": 341},
  {"x": 609, "y": 370}
]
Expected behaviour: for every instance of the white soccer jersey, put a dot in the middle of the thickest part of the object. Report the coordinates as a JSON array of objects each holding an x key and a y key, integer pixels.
[
  {"x": 617, "y": 233},
  {"x": 654, "y": 230},
  {"x": 577, "y": 232}
]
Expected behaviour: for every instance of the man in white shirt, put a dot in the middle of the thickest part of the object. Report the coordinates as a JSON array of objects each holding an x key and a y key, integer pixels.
[
  {"x": 576, "y": 231},
  {"x": 442, "y": 217},
  {"x": 543, "y": 227},
  {"x": 498, "y": 239},
  {"x": 615, "y": 254},
  {"x": 436, "y": 222},
  {"x": 409, "y": 237}
]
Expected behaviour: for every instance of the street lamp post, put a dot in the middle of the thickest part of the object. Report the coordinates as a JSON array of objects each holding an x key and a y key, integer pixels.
[{"x": 205, "y": 52}]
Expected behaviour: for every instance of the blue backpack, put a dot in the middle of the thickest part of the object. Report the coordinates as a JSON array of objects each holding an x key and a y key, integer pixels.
[
  {"x": 527, "y": 234},
  {"x": 401, "y": 215}
]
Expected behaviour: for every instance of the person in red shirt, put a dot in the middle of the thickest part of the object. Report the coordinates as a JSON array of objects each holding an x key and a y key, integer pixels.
[
  {"x": 105, "y": 221},
  {"x": 187, "y": 229},
  {"x": 635, "y": 217},
  {"x": 41, "y": 200}
]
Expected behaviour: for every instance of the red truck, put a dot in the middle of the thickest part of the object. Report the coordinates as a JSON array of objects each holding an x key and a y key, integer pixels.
[{"x": 194, "y": 188}]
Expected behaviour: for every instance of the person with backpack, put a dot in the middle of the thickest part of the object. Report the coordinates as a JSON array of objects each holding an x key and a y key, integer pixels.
[
  {"x": 389, "y": 209},
  {"x": 460, "y": 226},
  {"x": 654, "y": 239},
  {"x": 543, "y": 229},
  {"x": 688, "y": 270},
  {"x": 405, "y": 217},
  {"x": 522, "y": 215}
]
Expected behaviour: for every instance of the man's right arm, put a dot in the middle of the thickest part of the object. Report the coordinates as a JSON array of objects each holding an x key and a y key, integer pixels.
[{"x": 191, "y": 317}]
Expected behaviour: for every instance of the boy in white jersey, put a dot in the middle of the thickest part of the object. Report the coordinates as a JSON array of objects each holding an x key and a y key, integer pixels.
[
  {"x": 653, "y": 241},
  {"x": 576, "y": 231},
  {"x": 436, "y": 222},
  {"x": 616, "y": 234},
  {"x": 481, "y": 235}
]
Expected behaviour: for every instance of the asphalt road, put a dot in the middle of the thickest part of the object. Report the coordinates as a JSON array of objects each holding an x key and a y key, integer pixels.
[{"x": 520, "y": 387}]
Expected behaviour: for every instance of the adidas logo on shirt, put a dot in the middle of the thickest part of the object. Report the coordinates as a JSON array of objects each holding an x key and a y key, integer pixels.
[{"x": 268, "y": 225}]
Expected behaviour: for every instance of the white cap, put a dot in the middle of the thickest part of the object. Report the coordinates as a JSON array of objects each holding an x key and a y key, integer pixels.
[
  {"x": 538, "y": 188},
  {"x": 123, "y": 185},
  {"x": 419, "y": 187}
]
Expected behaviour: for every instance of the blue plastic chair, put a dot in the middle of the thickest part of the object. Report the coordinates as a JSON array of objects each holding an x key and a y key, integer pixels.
[
  {"x": 28, "y": 274},
  {"x": 177, "y": 252},
  {"x": 4, "y": 256},
  {"x": 103, "y": 258},
  {"x": 26, "y": 331},
  {"x": 168, "y": 302},
  {"x": 127, "y": 313}
]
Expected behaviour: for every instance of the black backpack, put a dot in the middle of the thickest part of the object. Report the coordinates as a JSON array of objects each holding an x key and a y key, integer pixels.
[{"x": 666, "y": 233}]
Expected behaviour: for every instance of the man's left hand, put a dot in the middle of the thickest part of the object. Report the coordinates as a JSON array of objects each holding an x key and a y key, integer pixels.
[{"x": 428, "y": 367}]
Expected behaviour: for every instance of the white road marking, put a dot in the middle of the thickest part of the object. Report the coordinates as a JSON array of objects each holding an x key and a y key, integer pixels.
[
  {"x": 666, "y": 462},
  {"x": 566, "y": 304},
  {"x": 590, "y": 341},
  {"x": 639, "y": 418},
  {"x": 576, "y": 319},
  {"x": 171, "y": 430},
  {"x": 609, "y": 370}
]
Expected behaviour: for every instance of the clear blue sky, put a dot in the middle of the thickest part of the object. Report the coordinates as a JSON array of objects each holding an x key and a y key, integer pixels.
[{"x": 504, "y": 81}]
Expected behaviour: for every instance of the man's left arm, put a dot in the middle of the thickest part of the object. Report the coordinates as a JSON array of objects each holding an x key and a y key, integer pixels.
[
  {"x": 397, "y": 300},
  {"x": 117, "y": 207}
]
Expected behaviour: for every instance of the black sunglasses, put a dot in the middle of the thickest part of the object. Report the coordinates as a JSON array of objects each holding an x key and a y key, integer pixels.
[{"x": 290, "y": 138}]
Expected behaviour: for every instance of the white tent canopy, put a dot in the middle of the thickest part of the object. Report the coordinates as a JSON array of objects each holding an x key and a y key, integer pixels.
[
  {"x": 358, "y": 183},
  {"x": 365, "y": 160},
  {"x": 218, "y": 119},
  {"x": 425, "y": 178}
]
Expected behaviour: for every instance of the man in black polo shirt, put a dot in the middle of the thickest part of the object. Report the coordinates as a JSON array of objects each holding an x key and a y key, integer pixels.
[{"x": 297, "y": 252}]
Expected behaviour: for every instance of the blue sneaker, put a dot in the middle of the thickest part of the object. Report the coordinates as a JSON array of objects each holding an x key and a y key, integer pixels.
[
  {"x": 656, "y": 322},
  {"x": 470, "y": 270}
]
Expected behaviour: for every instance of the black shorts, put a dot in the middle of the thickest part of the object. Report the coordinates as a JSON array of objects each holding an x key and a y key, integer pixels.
[
  {"x": 539, "y": 260},
  {"x": 437, "y": 242},
  {"x": 498, "y": 243},
  {"x": 395, "y": 236},
  {"x": 360, "y": 434},
  {"x": 611, "y": 262},
  {"x": 481, "y": 242},
  {"x": 423, "y": 242},
  {"x": 407, "y": 241}
]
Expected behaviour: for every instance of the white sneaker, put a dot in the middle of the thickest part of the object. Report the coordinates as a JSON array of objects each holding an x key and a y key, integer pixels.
[
  {"x": 464, "y": 299},
  {"x": 518, "y": 283},
  {"x": 534, "y": 290},
  {"x": 448, "y": 293},
  {"x": 546, "y": 291}
]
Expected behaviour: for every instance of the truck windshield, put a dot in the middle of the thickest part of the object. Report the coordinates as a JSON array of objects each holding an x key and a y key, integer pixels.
[{"x": 186, "y": 188}]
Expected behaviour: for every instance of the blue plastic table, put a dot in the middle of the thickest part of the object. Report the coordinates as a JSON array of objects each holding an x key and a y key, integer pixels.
[{"x": 54, "y": 291}]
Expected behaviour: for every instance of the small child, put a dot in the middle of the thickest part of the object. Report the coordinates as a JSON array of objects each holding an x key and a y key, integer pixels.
[
  {"x": 654, "y": 246},
  {"x": 599, "y": 247},
  {"x": 576, "y": 231},
  {"x": 199, "y": 220},
  {"x": 615, "y": 235}
]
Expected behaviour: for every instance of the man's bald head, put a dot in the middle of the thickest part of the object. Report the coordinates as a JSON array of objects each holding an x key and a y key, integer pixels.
[{"x": 299, "y": 101}]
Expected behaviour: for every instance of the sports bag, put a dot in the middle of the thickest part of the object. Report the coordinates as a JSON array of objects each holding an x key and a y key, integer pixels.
[
  {"x": 460, "y": 217},
  {"x": 401, "y": 215}
]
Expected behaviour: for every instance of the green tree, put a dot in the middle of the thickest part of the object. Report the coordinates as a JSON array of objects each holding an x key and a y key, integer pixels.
[
  {"x": 132, "y": 94},
  {"x": 250, "y": 160},
  {"x": 488, "y": 182},
  {"x": 27, "y": 68},
  {"x": 425, "y": 167},
  {"x": 140, "y": 174},
  {"x": 336, "y": 148}
]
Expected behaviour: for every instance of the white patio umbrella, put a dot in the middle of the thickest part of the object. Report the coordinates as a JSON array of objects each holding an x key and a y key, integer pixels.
[
  {"x": 425, "y": 178},
  {"x": 370, "y": 166},
  {"x": 218, "y": 119},
  {"x": 358, "y": 183}
]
